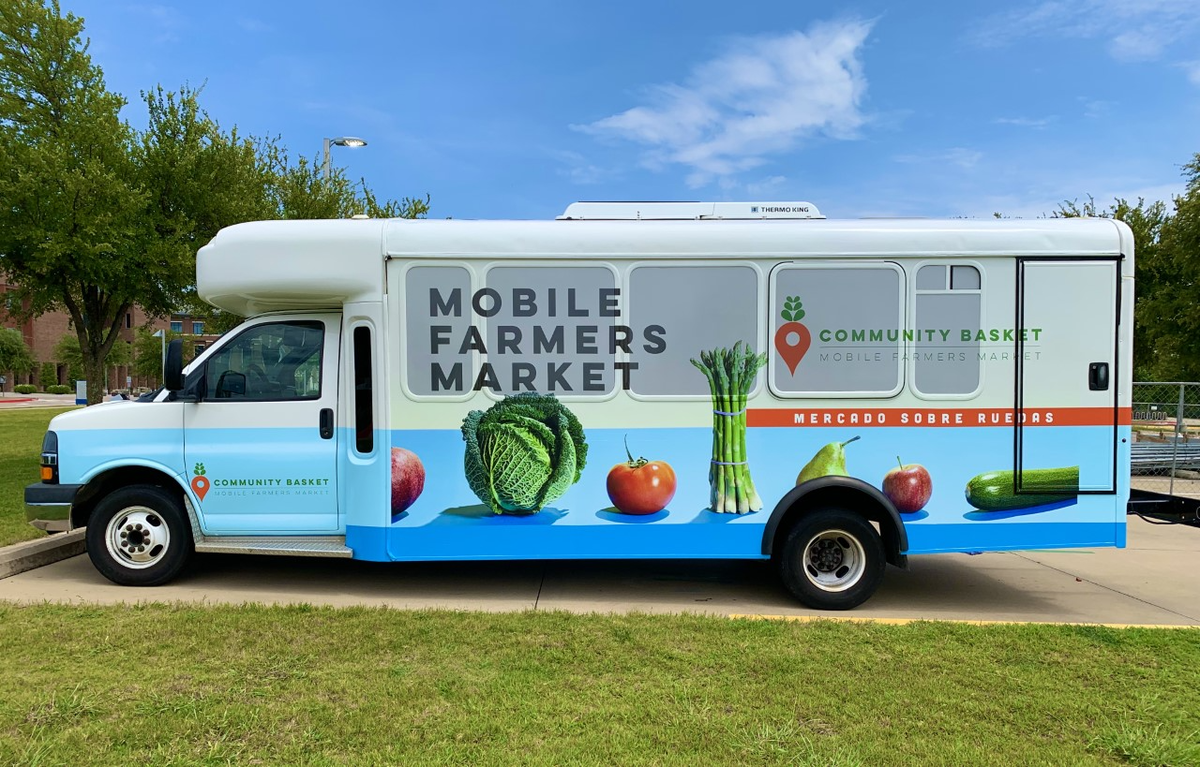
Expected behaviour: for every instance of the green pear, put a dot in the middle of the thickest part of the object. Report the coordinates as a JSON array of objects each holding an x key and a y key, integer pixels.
[{"x": 830, "y": 461}]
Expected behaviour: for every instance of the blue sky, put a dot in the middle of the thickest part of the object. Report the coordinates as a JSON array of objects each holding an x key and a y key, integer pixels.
[{"x": 515, "y": 109}]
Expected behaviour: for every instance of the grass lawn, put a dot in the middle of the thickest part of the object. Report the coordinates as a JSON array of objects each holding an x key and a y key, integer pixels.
[
  {"x": 21, "y": 433},
  {"x": 195, "y": 685}
]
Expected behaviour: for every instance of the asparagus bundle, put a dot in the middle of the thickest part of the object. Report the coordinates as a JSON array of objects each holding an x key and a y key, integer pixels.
[{"x": 730, "y": 374}]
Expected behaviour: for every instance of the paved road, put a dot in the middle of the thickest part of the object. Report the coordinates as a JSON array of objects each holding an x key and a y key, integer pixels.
[{"x": 1156, "y": 580}]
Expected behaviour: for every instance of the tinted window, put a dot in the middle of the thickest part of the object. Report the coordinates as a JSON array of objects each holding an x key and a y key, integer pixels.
[
  {"x": 697, "y": 308},
  {"x": 949, "y": 309},
  {"x": 276, "y": 361},
  {"x": 837, "y": 330},
  {"x": 364, "y": 419}
]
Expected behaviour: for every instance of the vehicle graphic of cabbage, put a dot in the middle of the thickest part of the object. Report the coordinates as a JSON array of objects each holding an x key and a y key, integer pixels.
[{"x": 523, "y": 452}]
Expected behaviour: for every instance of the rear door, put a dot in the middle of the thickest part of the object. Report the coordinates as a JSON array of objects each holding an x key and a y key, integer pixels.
[{"x": 1066, "y": 373}]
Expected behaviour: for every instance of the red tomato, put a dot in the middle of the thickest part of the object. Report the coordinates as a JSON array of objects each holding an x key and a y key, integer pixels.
[{"x": 641, "y": 486}]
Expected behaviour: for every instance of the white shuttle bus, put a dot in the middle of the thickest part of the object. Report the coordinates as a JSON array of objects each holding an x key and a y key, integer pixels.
[{"x": 632, "y": 380}]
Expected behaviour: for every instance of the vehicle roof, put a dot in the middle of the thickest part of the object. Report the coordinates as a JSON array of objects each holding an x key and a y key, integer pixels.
[{"x": 280, "y": 265}]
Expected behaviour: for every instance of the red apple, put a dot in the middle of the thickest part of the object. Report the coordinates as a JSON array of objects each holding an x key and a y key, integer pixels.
[
  {"x": 408, "y": 478},
  {"x": 908, "y": 487}
]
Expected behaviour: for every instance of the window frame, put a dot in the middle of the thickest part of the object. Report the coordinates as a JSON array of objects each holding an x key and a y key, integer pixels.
[
  {"x": 761, "y": 328},
  {"x": 209, "y": 391},
  {"x": 401, "y": 329},
  {"x": 774, "y": 307},
  {"x": 372, "y": 379},
  {"x": 556, "y": 263},
  {"x": 949, "y": 262}
]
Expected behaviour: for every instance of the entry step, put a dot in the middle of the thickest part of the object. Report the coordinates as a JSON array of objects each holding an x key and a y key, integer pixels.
[{"x": 279, "y": 545}]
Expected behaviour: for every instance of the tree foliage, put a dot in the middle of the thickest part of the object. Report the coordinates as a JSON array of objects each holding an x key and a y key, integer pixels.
[
  {"x": 1166, "y": 331},
  {"x": 1146, "y": 220},
  {"x": 96, "y": 216},
  {"x": 148, "y": 351},
  {"x": 67, "y": 352},
  {"x": 15, "y": 356}
]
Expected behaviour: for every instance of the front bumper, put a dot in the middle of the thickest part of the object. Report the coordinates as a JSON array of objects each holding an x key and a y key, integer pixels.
[{"x": 48, "y": 507}]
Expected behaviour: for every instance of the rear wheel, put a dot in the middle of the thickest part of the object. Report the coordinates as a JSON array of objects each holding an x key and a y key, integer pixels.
[
  {"x": 831, "y": 559},
  {"x": 139, "y": 536}
]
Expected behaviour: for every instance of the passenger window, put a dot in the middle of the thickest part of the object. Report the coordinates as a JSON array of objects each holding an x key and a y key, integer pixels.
[
  {"x": 696, "y": 308},
  {"x": 438, "y": 308},
  {"x": 837, "y": 329},
  {"x": 271, "y": 362},
  {"x": 364, "y": 419},
  {"x": 948, "y": 312}
]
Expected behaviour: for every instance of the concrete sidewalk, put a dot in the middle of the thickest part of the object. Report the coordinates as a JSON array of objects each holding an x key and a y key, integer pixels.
[
  {"x": 1156, "y": 581},
  {"x": 13, "y": 401}
]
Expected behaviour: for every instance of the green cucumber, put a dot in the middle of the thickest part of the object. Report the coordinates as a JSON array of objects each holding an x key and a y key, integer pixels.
[{"x": 993, "y": 491}]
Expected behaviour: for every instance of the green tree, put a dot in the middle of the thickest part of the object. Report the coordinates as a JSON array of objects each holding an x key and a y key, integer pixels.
[
  {"x": 148, "y": 352},
  {"x": 15, "y": 356},
  {"x": 67, "y": 352},
  {"x": 95, "y": 217},
  {"x": 48, "y": 375},
  {"x": 1173, "y": 291},
  {"x": 1147, "y": 221},
  {"x": 67, "y": 210}
]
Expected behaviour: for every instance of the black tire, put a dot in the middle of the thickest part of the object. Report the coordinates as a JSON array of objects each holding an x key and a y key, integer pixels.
[
  {"x": 139, "y": 536},
  {"x": 831, "y": 559}
]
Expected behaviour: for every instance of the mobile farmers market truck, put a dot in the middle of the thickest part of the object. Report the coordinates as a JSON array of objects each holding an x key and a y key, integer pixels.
[{"x": 633, "y": 380}]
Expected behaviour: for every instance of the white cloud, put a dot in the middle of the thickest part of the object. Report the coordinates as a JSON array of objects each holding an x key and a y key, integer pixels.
[
  {"x": 253, "y": 25},
  {"x": 1135, "y": 30},
  {"x": 962, "y": 157},
  {"x": 1026, "y": 122},
  {"x": 168, "y": 20},
  {"x": 1193, "y": 71},
  {"x": 1095, "y": 108},
  {"x": 765, "y": 186},
  {"x": 577, "y": 168},
  {"x": 760, "y": 98}
]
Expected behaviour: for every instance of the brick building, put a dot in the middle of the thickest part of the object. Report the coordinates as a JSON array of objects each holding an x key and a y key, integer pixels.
[{"x": 43, "y": 333}]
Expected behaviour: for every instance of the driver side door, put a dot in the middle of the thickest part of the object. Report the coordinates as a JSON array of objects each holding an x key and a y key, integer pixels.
[{"x": 261, "y": 446}]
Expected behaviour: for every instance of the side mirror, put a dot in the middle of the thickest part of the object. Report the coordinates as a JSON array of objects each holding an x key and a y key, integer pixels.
[{"x": 173, "y": 371}]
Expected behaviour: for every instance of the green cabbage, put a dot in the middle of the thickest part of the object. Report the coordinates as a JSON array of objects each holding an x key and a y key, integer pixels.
[{"x": 523, "y": 452}]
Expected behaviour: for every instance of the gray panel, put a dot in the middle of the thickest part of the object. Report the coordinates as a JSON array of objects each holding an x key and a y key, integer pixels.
[
  {"x": 699, "y": 307},
  {"x": 565, "y": 343},
  {"x": 437, "y": 297},
  {"x": 931, "y": 277},
  {"x": 964, "y": 278},
  {"x": 853, "y": 318},
  {"x": 945, "y": 363}
]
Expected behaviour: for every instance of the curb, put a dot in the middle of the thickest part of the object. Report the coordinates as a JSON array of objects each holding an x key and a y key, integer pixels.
[
  {"x": 908, "y": 621},
  {"x": 43, "y": 551},
  {"x": 12, "y": 400}
]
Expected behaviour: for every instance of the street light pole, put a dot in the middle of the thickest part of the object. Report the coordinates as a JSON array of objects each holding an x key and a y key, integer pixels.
[{"x": 350, "y": 141}]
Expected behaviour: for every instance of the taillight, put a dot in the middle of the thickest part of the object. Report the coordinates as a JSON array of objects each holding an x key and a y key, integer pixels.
[{"x": 50, "y": 458}]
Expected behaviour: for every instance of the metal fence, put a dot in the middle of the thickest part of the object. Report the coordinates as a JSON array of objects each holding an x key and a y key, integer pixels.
[{"x": 1166, "y": 438}]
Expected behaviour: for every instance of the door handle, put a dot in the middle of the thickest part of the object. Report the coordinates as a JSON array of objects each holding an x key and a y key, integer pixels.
[
  {"x": 327, "y": 423},
  {"x": 1098, "y": 376}
]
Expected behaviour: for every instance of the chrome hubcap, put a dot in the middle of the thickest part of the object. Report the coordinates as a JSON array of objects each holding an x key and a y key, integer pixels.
[
  {"x": 834, "y": 560},
  {"x": 137, "y": 537}
]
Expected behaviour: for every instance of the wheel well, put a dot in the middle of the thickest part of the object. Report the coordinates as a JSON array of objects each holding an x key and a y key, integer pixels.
[
  {"x": 104, "y": 483},
  {"x": 843, "y": 493}
]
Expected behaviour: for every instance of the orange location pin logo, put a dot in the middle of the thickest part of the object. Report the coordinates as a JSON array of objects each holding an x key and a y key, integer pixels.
[
  {"x": 200, "y": 483},
  {"x": 792, "y": 339}
]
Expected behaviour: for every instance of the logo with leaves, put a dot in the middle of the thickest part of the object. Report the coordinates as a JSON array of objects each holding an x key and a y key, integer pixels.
[
  {"x": 792, "y": 338},
  {"x": 793, "y": 310},
  {"x": 200, "y": 483}
]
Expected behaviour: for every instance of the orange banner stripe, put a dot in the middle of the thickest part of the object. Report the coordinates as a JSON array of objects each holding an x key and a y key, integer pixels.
[{"x": 1053, "y": 416}]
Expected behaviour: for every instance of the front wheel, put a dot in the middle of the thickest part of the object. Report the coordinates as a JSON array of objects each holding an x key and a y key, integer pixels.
[
  {"x": 139, "y": 536},
  {"x": 832, "y": 560}
]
